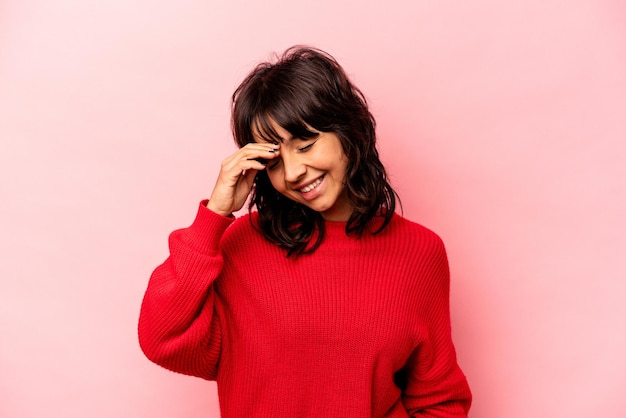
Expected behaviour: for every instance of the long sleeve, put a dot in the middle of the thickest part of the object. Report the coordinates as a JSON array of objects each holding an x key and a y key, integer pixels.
[
  {"x": 179, "y": 327},
  {"x": 435, "y": 384},
  {"x": 318, "y": 335}
]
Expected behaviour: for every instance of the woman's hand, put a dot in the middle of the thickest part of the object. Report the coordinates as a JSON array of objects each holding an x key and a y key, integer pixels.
[{"x": 237, "y": 177}]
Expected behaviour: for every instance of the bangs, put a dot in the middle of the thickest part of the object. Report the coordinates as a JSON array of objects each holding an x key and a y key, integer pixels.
[{"x": 289, "y": 120}]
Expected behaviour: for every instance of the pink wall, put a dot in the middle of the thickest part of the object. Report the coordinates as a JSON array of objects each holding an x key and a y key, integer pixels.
[{"x": 503, "y": 125}]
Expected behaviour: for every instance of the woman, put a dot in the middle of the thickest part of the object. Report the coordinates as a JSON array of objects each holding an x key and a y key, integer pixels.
[{"x": 323, "y": 302}]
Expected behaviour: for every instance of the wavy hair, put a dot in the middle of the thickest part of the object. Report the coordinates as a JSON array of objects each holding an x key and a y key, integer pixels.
[{"x": 307, "y": 88}]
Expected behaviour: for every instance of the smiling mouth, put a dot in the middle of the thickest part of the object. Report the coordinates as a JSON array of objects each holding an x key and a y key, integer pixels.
[{"x": 312, "y": 186}]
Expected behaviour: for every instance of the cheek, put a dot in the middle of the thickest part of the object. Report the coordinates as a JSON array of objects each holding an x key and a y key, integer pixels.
[{"x": 342, "y": 167}]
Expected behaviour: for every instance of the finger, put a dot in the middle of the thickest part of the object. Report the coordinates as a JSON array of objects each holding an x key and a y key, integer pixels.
[
  {"x": 266, "y": 157},
  {"x": 233, "y": 168},
  {"x": 256, "y": 161},
  {"x": 261, "y": 145},
  {"x": 254, "y": 150}
]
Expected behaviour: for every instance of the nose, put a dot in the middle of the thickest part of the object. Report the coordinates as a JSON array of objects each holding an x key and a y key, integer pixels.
[{"x": 293, "y": 168}]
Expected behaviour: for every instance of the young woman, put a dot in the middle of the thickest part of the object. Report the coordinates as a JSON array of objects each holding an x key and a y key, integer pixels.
[{"x": 323, "y": 302}]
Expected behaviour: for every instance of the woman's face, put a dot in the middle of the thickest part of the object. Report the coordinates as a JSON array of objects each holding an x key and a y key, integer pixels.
[{"x": 311, "y": 172}]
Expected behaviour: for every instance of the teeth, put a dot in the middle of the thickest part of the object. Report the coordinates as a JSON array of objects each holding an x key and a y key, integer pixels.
[{"x": 311, "y": 186}]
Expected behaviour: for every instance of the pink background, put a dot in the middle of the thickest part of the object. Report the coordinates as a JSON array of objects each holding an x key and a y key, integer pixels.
[{"x": 503, "y": 125}]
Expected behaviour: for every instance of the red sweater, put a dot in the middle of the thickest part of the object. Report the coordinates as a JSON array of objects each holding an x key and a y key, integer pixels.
[{"x": 321, "y": 335}]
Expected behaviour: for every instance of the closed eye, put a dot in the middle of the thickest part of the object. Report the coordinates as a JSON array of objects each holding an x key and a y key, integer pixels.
[
  {"x": 307, "y": 147},
  {"x": 273, "y": 164}
]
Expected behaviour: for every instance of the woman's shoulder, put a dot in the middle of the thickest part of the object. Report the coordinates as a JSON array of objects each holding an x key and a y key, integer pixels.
[
  {"x": 408, "y": 226},
  {"x": 243, "y": 232},
  {"x": 243, "y": 225},
  {"x": 419, "y": 247},
  {"x": 413, "y": 233}
]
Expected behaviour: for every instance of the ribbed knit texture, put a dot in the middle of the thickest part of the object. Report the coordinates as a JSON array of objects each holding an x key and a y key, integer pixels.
[{"x": 321, "y": 335}]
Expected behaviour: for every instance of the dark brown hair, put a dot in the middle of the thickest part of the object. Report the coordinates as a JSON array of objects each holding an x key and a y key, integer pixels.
[{"x": 306, "y": 87}]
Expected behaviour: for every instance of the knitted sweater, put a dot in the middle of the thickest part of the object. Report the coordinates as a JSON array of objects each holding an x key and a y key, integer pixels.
[{"x": 359, "y": 328}]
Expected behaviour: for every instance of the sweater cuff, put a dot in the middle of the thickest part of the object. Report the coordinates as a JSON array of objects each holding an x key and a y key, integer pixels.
[{"x": 207, "y": 228}]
